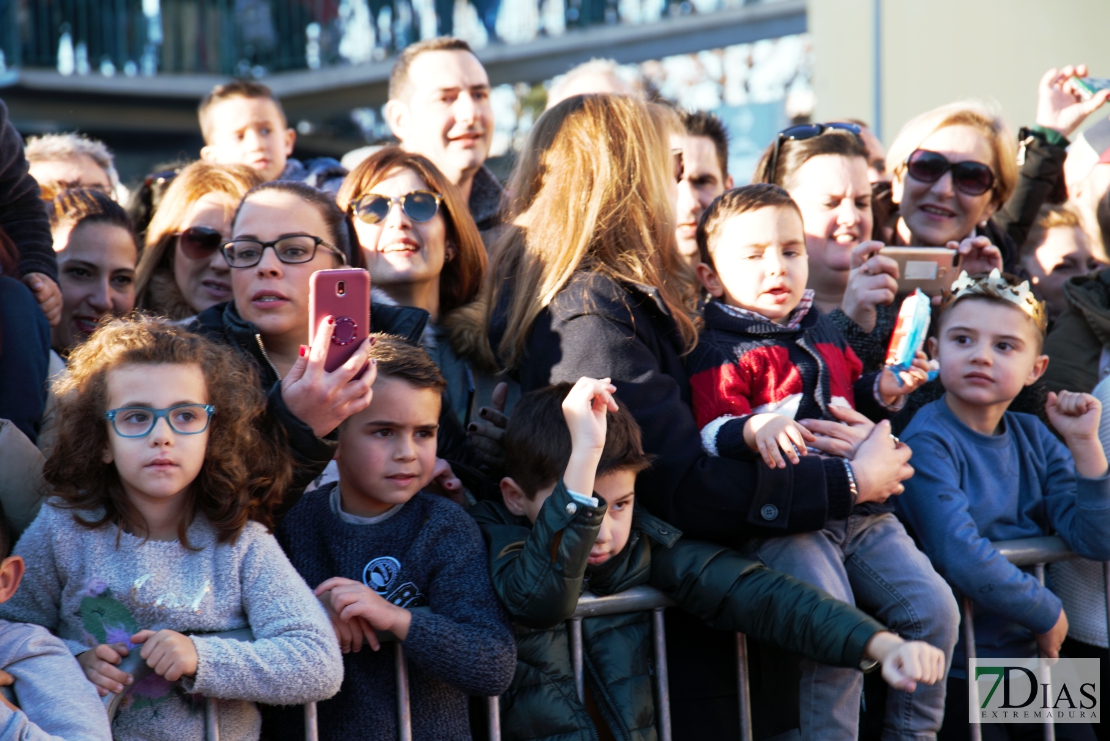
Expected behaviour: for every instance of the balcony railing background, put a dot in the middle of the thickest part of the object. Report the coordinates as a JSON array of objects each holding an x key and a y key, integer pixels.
[{"x": 257, "y": 37}]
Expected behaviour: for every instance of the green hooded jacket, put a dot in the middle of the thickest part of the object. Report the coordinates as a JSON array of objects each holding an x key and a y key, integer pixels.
[
  {"x": 539, "y": 571},
  {"x": 1079, "y": 334}
]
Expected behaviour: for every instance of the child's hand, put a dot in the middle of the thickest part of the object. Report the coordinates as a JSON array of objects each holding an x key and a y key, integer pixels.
[
  {"x": 349, "y": 633},
  {"x": 100, "y": 667},
  {"x": 349, "y": 600},
  {"x": 1048, "y": 644},
  {"x": 912, "y": 379},
  {"x": 768, "y": 433},
  {"x": 905, "y": 664},
  {"x": 1076, "y": 417},
  {"x": 47, "y": 294},
  {"x": 169, "y": 653},
  {"x": 445, "y": 483},
  {"x": 7, "y": 680},
  {"x": 584, "y": 409}
]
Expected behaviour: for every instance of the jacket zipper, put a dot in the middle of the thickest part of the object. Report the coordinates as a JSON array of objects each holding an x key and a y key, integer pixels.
[{"x": 262, "y": 347}]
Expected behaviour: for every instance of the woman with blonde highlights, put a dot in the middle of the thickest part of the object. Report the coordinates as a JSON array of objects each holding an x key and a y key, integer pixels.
[
  {"x": 422, "y": 249},
  {"x": 182, "y": 271},
  {"x": 587, "y": 280}
]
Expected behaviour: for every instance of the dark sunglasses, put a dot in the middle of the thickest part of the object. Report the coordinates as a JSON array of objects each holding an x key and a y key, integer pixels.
[
  {"x": 199, "y": 242},
  {"x": 419, "y": 205},
  {"x": 969, "y": 177},
  {"x": 801, "y": 132}
]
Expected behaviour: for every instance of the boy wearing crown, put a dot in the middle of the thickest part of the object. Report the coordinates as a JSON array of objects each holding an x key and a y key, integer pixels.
[{"x": 985, "y": 474}]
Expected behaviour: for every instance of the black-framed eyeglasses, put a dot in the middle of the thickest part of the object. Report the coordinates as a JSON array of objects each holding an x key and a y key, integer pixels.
[
  {"x": 199, "y": 242},
  {"x": 969, "y": 177},
  {"x": 292, "y": 249},
  {"x": 801, "y": 132},
  {"x": 419, "y": 205},
  {"x": 184, "y": 419}
]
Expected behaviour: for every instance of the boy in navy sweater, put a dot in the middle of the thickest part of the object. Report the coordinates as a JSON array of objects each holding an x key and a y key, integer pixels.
[
  {"x": 767, "y": 358},
  {"x": 986, "y": 474},
  {"x": 375, "y": 545}
]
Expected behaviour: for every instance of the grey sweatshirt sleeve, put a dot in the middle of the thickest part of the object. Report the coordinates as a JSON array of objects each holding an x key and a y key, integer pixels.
[
  {"x": 56, "y": 701},
  {"x": 465, "y": 641},
  {"x": 39, "y": 597},
  {"x": 295, "y": 656}
]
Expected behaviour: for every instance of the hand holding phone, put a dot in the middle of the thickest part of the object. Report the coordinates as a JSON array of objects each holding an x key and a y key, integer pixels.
[
  {"x": 344, "y": 295},
  {"x": 928, "y": 269}
]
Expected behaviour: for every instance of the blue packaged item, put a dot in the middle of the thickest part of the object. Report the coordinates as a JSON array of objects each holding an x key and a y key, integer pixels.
[{"x": 910, "y": 332}]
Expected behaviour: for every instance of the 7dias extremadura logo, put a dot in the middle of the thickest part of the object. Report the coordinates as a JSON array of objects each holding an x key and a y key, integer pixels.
[{"x": 1034, "y": 691}]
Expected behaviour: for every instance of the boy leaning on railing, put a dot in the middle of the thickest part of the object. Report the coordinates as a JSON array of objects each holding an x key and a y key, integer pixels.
[{"x": 550, "y": 541}]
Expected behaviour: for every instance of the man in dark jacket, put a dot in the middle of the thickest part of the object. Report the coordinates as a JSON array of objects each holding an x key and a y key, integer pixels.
[
  {"x": 549, "y": 543},
  {"x": 1079, "y": 341}
]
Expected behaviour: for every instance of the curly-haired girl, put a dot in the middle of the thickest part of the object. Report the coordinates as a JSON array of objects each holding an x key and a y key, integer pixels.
[{"x": 165, "y": 473}]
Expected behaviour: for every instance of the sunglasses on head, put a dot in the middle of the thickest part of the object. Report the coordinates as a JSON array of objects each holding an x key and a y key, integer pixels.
[
  {"x": 969, "y": 177},
  {"x": 801, "y": 132},
  {"x": 199, "y": 242},
  {"x": 419, "y": 205}
]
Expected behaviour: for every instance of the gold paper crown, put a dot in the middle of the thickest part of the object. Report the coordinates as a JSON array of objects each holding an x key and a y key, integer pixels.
[{"x": 996, "y": 285}]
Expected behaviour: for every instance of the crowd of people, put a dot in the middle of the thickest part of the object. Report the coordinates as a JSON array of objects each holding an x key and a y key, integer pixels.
[{"x": 616, "y": 369}]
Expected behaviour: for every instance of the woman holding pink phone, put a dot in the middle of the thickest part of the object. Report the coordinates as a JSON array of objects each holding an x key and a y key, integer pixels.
[{"x": 282, "y": 233}]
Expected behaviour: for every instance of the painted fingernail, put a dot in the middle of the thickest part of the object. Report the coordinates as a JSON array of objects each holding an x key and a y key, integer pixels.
[
  {"x": 304, "y": 349},
  {"x": 331, "y": 320},
  {"x": 483, "y": 412},
  {"x": 373, "y": 340}
]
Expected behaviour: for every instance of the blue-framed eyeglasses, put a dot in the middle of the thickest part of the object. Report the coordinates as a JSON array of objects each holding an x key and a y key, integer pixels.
[{"x": 184, "y": 419}]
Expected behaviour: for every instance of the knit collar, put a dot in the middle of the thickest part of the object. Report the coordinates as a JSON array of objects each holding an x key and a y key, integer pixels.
[{"x": 793, "y": 321}]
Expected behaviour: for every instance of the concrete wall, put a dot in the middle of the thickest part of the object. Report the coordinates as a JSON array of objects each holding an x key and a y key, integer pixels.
[{"x": 937, "y": 51}]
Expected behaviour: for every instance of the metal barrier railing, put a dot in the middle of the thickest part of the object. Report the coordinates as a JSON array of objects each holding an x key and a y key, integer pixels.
[{"x": 1035, "y": 552}]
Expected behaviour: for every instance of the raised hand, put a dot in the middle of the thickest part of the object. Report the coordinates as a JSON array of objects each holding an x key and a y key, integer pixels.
[
  {"x": 584, "y": 409},
  {"x": 771, "y": 435},
  {"x": 872, "y": 281},
  {"x": 1076, "y": 416},
  {"x": 101, "y": 664},
  {"x": 1060, "y": 105},
  {"x": 48, "y": 295},
  {"x": 170, "y": 654},
  {"x": 320, "y": 399},
  {"x": 977, "y": 255},
  {"x": 486, "y": 435}
]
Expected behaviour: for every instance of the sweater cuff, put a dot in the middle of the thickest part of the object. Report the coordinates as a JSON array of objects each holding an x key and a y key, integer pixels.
[
  {"x": 38, "y": 264},
  {"x": 1093, "y": 493},
  {"x": 838, "y": 491}
]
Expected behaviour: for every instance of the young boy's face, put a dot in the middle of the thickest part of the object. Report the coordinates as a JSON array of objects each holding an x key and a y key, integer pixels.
[
  {"x": 248, "y": 131},
  {"x": 987, "y": 352},
  {"x": 617, "y": 488},
  {"x": 387, "y": 452},
  {"x": 759, "y": 262}
]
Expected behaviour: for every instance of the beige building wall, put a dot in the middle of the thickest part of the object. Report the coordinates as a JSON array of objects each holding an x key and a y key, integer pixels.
[{"x": 937, "y": 51}]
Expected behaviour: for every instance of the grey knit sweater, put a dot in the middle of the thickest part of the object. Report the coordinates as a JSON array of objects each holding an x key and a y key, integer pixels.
[
  {"x": 88, "y": 591},
  {"x": 428, "y": 553},
  {"x": 55, "y": 700}
]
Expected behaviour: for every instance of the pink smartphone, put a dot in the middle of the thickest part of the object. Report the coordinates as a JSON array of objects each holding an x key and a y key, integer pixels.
[{"x": 343, "y": 293}]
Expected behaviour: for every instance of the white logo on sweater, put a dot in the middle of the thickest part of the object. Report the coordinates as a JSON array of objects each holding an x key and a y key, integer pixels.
[{"x": 382, "y": 575}]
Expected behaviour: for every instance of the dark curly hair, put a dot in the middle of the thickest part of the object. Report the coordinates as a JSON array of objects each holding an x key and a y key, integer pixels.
[{"x": 246, "y": 466}]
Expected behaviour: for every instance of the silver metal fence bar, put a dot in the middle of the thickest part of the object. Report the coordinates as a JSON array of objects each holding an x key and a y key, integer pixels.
[
  {"x": 494, "y": 718},
  {"x": 1106, "y": 593},
  {"x": 662, "y": 686},
  {"x": 969, "y": 651},
  {"x": 211, "y": 720},
  {"x": 404, "y": 710},
  {"x": 311, "y": 722},
  {"x": 575, "y": 626},
  {"x": 1049, "y": 727},
  {"x": 743, "y": 687}
]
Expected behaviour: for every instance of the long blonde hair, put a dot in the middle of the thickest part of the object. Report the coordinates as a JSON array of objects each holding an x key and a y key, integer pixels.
[
  {"x": 194, "y": 182},
  {"x": 589, "y": 194}
]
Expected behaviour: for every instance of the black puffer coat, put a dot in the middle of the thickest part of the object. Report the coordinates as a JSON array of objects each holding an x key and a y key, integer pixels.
[{"x": 539, "y": 571}]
